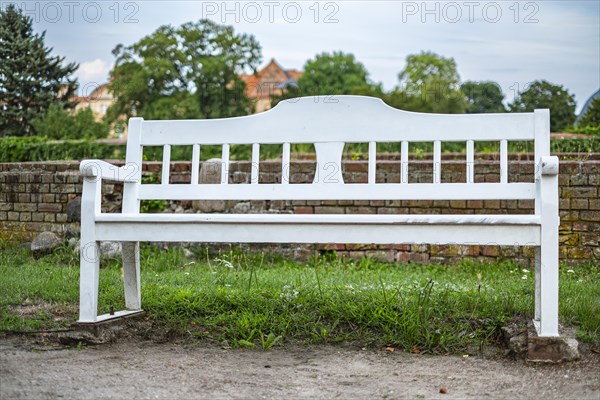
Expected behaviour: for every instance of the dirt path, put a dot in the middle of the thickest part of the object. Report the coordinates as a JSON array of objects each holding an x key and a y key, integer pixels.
[{"x": 134, "y": 369}]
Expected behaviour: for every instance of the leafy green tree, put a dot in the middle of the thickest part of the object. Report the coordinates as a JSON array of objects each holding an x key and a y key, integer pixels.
[
  {"x": 191, "y": 71},
  {"x": 428, "y": 83},
  {"x": 57, "y": 123},
  {"x": 483, "y": 97},
  {"x": 333, "y": 73},
  {"x": 592, "y": 115},
  {"x": 30, "y": 78},
  {"x": 543, "y": 94}
]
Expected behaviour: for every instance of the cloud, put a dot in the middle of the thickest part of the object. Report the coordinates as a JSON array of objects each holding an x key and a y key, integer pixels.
[{"x": 95, "y": 71}]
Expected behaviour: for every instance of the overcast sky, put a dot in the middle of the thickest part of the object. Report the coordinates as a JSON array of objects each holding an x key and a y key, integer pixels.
[{"x": 509, "y": 42}]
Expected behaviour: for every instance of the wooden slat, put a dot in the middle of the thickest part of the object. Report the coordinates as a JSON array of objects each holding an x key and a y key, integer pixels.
[
  {"x": 503, "y": 161},
  {"x": 225, "y": 164},
  {"x": 285, "y": 164},
  {"x": 388, "y": 191},
  {"x": 255, "y": 167},
  {"x": 260, "y": 232},
  {"x": 195, "y": 163},
  {"x": 404, "y": 162},
  {"x": 470, "y": 161},
  {"x": 372, "y": 162},
  {"x": 437, "y": 161},
  {"x": 350, "y": 119},
  {"x": 166, "y": 164}
]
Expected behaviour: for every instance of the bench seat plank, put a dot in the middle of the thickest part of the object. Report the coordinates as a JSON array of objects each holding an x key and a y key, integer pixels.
[
  {"x": 349, "y": 219},
  {"x": 341, "y": 191},
  {"x": 333, "y": 231}
]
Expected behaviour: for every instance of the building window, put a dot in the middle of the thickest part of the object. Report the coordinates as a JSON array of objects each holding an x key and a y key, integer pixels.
[{"x": 103, "y": 108}]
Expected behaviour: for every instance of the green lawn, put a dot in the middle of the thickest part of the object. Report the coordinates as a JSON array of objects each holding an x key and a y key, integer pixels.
[{"x": 257, "y": 301}]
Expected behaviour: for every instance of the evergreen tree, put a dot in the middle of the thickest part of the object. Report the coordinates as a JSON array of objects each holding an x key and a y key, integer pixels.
[{"x": 30, "y": 78}]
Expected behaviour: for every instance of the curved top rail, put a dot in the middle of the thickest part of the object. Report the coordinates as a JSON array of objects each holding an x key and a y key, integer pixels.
[{"x": 339, "y": 119}]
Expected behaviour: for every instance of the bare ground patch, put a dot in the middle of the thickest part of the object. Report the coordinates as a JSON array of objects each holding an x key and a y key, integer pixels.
[{"x": 135, "y": 368}]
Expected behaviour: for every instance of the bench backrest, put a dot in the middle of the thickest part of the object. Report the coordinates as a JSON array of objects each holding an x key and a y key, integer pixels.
[{"x": 329, "y": 122}]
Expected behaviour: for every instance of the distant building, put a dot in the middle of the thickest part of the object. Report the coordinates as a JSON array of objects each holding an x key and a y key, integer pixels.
[
  {"x": 269, "y": 81},
  {"x": 98, "y": 100}
]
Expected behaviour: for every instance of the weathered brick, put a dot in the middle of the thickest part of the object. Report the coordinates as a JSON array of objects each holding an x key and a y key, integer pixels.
[
  {"x": 303, "y": 210},
  {"x": 475, "y": 203},
  {"x": 13, "y": 216},
  {"x": 578, "y": 180},
  {"x": 37, "y": 217},
  {"x": 590, "y": 215},
  {"x": 50, "y": 207},
  {"x": 25, "y": 217},
  {"x": 579, "y": 192},
  {"x": 49, "y": 217},
  {"x": 490, "y": 251},
  {"x": 361, "y": 210},
  {"x": 590, "y": 239},
  {"x": 491, "y": 204},
  {"x": 525, "y": 204},
  {"x": 25, "y": 207},
  {"x": 579, "y": 204},
  {"x": 61, "y": 217},
  {"x": 329, "y": 210}
]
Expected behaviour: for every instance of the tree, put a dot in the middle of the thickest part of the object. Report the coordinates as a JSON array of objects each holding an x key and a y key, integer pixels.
[
  {"x": 428, "y": 83},
  {"x": 483, "y": 97},
  {"x": 543, "y": 94},
  {"x": 30, "y": 78},
  {"x": 592, "y": 115},
  {"x": 187, "y": 72},
  {"x": 57, "y": 123},
  {"x": 334, "y": 73}
]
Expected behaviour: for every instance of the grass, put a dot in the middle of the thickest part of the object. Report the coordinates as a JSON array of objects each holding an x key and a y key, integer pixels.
[{"x": 257, "y": 301}]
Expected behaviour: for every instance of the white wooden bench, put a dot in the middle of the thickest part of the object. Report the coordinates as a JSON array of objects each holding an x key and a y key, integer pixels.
[{"x": 328, "y": 123}]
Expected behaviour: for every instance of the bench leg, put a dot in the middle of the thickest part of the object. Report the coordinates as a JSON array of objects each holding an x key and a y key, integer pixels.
[
  {"x": 546, "y": 291},
  {"x": 89, "y": 260},
  {"x": 131, "y": 275}
]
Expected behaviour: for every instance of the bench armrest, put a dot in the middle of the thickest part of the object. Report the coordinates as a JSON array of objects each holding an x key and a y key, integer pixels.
[
  {"x": 548, "y": 165},
  {"x": 103, "y": 170}
]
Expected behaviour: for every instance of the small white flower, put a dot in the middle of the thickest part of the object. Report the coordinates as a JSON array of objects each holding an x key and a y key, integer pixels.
[
  {"x": 524, "y": 277},
  {"x": 570, "y": 271},
  {"x": 186, "y": 273},
  {"x": 526, "y": 271}
]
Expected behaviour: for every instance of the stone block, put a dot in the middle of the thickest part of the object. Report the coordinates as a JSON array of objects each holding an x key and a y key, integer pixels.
[{"x": 552, "y": 349}]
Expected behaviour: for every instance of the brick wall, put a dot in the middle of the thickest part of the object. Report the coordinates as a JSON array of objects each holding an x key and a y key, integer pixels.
[{"x": 36, "y": 197}]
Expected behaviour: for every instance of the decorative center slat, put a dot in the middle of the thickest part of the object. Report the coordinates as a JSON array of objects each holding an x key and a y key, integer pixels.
[
  {"x": 195, "y": 163},
  {"x": 225, "y": 165},
  {"x": 404, "y": 162},
  {"x": 166, "y": 164},
  {"x": 329, "y": 162},
  {"x": 255, "y": 167}
]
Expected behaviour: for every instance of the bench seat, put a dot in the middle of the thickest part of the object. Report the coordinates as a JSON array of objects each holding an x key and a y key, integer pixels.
[
  {"x": 321, "y": 228},
  {"x": 352, "y": 219}
]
